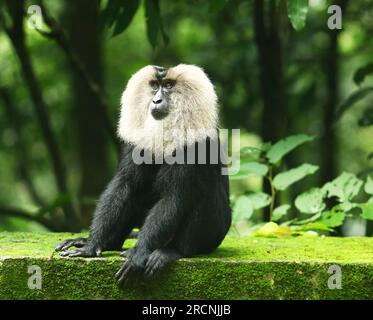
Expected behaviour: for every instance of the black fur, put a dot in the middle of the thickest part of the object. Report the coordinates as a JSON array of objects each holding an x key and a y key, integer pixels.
[{"x": 181, "y": 210}]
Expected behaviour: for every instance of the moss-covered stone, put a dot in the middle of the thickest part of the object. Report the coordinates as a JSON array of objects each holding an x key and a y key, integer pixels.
[{"x": 242, "y": 268}]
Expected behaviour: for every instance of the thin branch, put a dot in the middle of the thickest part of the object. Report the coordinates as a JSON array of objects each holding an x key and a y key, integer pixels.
[
  {"x": 18, "y": 213},
  {"x": 17, "y": 37},
  {"x": 58, "y": 34},
  {"x": 273, "y": 192},
  {"x": 20, "y": 147}
]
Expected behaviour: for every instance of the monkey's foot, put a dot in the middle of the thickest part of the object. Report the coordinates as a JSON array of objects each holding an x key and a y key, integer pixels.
[
  {"x": 68, "y": 243},
  {"x": 158, "y": 260},
  {"x": 132, "y": 267},
  {"x": 85, "y": 251}
]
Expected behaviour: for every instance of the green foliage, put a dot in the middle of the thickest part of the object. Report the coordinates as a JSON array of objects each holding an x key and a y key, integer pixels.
[
  {"x": 280, "y": 211},
  {"x": 251, "y": 153},
  {"x": 246, "y": 204},
  {"x": 367, "y": 210},
  {"x": 61, "y": 200},
  {"x": 367, "y": 117},
  {"x": 362, "y": 72},
  {"x": 333, "y": 218},
  {"x": 356, "y": 96},
  {"x": 243, "y": 209},
  {"x": 272, "y": 229},
  {"x": 328, "y": 205},
  {"x": 297, "y": 13},
  {"x": 283, "y": 147},
  {"x": 368, "y": 187},
  {"x": 311, "y": 201},
  {"x": 284, "y": 179},
  {"x": 268, "y": 158},
  {"x": 259, "y": 200},
  {"x": 217, "y": 5},
  {"x": 345, "y": 187},
  {"x": 119, "y": 14},
  {"x": 251, "y": 168},
  {"x": 154, "y": 23}
]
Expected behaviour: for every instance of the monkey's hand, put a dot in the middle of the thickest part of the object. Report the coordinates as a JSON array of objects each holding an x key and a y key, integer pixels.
[
  {"x": 68, "y": 243},
  {"x": 133, "y": 266},
  {"x": 87, "y": 250}
]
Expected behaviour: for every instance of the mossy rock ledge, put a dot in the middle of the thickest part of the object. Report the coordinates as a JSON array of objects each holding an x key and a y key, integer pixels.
[{"x": 241, "y": 268}]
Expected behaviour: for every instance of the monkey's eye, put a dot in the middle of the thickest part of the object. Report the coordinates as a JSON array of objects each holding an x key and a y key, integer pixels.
[
  {"x": 154, "y": 85},
  {"x": 168, "y": 84}
]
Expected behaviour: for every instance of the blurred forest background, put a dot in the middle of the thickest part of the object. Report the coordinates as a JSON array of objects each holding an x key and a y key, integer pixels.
[{"x": 60, "y": 88}]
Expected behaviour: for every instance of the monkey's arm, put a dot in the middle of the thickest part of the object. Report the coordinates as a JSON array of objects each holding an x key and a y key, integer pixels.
[
  {"x": 112, "y": 215},
  {"x": 162, "y": 221}
]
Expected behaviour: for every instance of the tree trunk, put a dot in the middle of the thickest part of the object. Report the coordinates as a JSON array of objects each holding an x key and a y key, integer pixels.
[
  {"x": 85, "y": 37},
  {"x": 270, "y": 54},
  {"x": 267, "y": 20},
  {"x": 328, "y": 143}
]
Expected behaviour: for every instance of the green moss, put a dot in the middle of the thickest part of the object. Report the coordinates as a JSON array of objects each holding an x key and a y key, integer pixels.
[{"x": 242, "y": 268}]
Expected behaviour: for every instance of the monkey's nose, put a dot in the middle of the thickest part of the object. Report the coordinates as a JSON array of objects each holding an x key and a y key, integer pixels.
[{"x": 157, "y": 101}]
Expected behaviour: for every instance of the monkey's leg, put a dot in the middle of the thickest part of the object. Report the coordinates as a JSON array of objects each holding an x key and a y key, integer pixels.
[
  {"x": 162, "y": 221},
  {"x": 159, "y": 227},
  {"x": 156, "y": 261}
]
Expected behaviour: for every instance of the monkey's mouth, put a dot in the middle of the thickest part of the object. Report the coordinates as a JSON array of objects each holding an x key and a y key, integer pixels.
[{"x": 159, "y": 114}]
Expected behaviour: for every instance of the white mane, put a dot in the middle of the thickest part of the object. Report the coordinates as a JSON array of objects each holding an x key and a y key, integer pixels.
[{"x": 193, "y": 111}]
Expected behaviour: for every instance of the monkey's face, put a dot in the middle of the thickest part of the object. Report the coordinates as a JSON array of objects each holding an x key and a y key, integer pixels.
[
  {"x": 158, "y": 100},
  {"x": 162, "y": 88}
]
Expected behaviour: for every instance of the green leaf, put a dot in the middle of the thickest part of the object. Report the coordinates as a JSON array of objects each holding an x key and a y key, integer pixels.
[
  {"x": 118, "y": 13},
  {"x": 311, "y": 201},
  {"x": 111, "y": 12},
  {"x": 266, "y": 146},
  {"x": 283, "y": 147},
  {"x": 362, "y": 72},
  {"x": 272, "y": 229},
  {"x": 129, "y": 9},
  {"x": 285, "y": 179},
  {"x": 333, "y": 218},
  {"x": 297, "y": 13},
  {"x": 368, "y": 187},
  {"x": 249, "y": 168},
  {"x": 259, "y": 199},
  {"x": 347, "y": 206},
  {"x": 313, "y": 226},
  {"x": 251, "y": 152},
  {"x": 280, "y": 211},
  {"x": 367, "y": 210},
  {"x": 243, "y": 209},
  {"x": 351, "y": 100},
  {"x": 309, "y": 234},
  {"x": 345, "y": 187},
  {"x": 154, "y": 24},
  {"x": 366, "y": 118},
  {"x": 216, "y": 5},
  {"x": 309, "y": 220}
]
